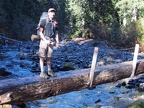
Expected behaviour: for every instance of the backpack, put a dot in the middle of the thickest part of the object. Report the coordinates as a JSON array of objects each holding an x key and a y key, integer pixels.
[{"x": 43, "y": 16}]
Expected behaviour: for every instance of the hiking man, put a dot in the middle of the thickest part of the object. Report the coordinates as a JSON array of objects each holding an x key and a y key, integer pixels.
[{"x": 48, "y": 32}]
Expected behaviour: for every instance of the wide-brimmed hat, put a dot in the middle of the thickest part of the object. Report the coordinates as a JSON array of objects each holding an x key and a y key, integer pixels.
[{"x": 51, "y": 9}]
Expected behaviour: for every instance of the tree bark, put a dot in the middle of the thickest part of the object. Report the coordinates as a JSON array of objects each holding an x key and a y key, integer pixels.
[{"x": 20, "y": 90}]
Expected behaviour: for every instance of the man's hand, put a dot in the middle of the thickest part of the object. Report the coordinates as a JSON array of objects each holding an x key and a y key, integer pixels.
[
  {"x": 48, "y": 42},
  {"x": 57, "y": 45}
]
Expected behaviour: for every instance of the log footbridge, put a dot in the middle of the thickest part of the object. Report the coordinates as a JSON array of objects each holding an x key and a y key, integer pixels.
[{"x": 20, "y": 90}]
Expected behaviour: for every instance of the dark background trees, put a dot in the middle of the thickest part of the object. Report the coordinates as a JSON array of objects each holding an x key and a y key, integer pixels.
[{"x": 98, "y": 19}]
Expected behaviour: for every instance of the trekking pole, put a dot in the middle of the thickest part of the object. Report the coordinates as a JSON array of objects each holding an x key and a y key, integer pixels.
[{"x": 57, "y": 50}]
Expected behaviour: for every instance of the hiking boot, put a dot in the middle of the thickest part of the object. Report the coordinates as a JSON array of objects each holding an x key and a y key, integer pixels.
[
  {"x": 51, "y": 73},
  {"x": 44, "y": 75}
]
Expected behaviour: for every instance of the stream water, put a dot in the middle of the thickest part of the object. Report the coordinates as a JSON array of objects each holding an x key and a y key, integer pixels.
[{"x": 103, "y": 96}]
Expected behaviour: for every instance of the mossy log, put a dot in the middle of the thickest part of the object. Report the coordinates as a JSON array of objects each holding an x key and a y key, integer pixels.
[{"x": 20, "y": 90}]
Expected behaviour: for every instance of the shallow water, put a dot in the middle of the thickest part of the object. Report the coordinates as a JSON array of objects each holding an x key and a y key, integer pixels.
[{"x": 103, "y": 96}]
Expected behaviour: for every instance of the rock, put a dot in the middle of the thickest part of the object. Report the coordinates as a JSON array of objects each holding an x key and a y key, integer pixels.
[
  {"x": 21, "y": 56},
  {"x": 118, "y": 85},
  {"x": 141, "y": 87},
  {"x": 129, "y": 86},
  {"x": 131, "y": 82},
  {"x": 141, "y": 77},
  {"x": 140, "y": 80},
  {"x": 2, "y": 56},
  {"x": 112, "y": 92},
  {"x": 3, "y": 72},
  {"x": 123, "y": 83},
  {"x": 97, "y": 101},
  {"x": 35, "y": 58}
]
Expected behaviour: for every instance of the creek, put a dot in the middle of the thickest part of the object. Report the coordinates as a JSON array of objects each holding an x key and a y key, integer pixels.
[{"x": 21, "y": 60}]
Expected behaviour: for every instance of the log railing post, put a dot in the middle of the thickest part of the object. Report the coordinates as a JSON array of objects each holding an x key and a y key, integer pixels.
[
  {"x": 135, "y": 60},
  {"x": 93, "y": 66}
]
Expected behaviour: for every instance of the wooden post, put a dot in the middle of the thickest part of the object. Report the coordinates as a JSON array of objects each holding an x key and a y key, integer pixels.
[
  {"x": 135, "y": 60},
  {"x": 93, "y": 65}
]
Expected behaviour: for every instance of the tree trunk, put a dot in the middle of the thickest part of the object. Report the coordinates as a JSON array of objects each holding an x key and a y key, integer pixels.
[{"x": 20, "y": 90}]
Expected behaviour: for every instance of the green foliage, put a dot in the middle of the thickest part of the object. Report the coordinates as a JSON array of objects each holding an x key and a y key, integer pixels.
[
  {"x": 125, "y": 8},
  {"x": 140, "y": 29},
  {"x": 85, "y": 15},
  {"x": 137, "y": 104},
  {"x": 141, "y": 13},
  {"x": 128, "y": 35},
  {"x": 68, "y": 66}
]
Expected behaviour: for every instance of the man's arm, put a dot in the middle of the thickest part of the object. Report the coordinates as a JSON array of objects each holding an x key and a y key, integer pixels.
[
  {"x": 42, "y": 36},
  {"x": 57, "y": 38}
]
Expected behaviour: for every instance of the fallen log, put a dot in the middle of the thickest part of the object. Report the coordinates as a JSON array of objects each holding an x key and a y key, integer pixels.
[{"x": 20, "y": 90}]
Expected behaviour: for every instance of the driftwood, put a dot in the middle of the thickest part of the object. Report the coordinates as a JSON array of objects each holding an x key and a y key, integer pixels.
[{"x": 20, "y": 90}]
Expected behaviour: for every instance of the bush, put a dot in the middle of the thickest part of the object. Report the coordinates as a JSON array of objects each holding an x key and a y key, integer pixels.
[
  {"x": 140, "y": 29},
  {"x": 137, "y": 104},
  {"x": 68, "y": 66},
  {"x": 140, "y": 32},
  {"x": 128, "y": 35}
]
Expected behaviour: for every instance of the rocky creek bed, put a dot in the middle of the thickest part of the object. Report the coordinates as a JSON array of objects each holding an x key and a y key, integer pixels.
[{"x": 20, "y": 59}]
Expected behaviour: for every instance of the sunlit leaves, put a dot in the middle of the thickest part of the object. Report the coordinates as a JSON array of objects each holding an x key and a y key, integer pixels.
[
  {"x": 84, "y": 14},
  {"x": 126, "y": 6}
]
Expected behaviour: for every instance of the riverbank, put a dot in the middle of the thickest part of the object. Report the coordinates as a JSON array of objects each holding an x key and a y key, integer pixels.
[{"x": 21, "y": 60}]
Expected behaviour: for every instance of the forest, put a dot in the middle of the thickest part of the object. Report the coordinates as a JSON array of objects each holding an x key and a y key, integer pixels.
[
  {"x": 118, "y": 22},
  {"x": 110, "y": 25}
]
